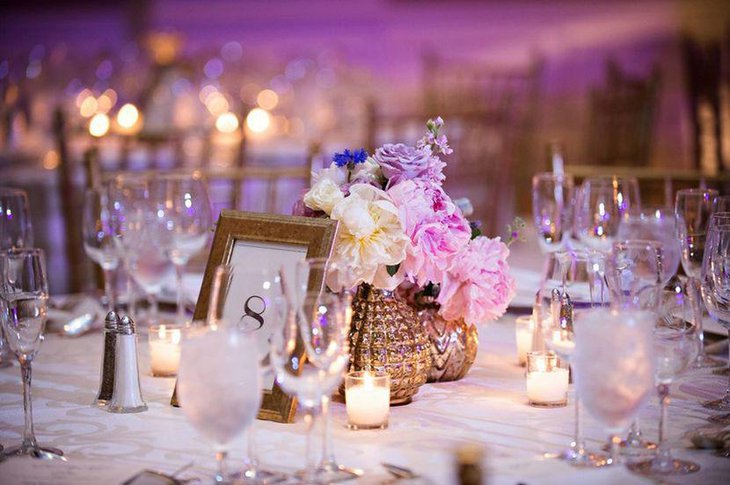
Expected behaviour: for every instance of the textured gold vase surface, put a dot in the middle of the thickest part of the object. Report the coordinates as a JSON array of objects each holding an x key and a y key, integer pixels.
[
  {"x": 386, "y": 335},
  {"x": 453, "y": 343}
]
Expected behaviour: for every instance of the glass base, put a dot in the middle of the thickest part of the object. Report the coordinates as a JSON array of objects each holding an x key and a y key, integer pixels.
[
  {"x": 704, "y": 361},
  {"x": 717, "y": 405},
  {"x": 39, "y": 452},
  {"x": 626, "y": 448},
  {"x": 332, "y": 473},
  {"x": 723, "y": 419},
  {"x": 357, "y": 427},
  {"x": 581, "y": 460},
  {"x": 258, "y": 476},
  {"x": 674, "y": 467},
  {"x": 721, "y": 372}
]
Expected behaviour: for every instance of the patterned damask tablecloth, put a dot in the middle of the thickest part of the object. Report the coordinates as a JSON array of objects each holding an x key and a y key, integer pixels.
[{"x": 487, "y": 407}]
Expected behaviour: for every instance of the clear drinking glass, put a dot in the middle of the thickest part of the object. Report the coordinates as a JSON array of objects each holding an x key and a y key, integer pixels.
[
  {"x": 614, "y": 366},
  {"x": 98, "y": 239},
  {"x": 580, "y": 272},
  {"x": 656, "y": 224},
  {"x": 693, "y": 208},
  {"x": 601, "y": 203},
  {"x": 675, "y": 346},
  {"x": 182, "y": 217},
  {"x": 15, "y": 232},
  {"x": 715, "y": 285},
  {"x": 23, "y": 304},
  {"x": 219, "y": 386}
]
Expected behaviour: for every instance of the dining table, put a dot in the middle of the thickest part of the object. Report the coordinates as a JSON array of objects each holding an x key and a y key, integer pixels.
[{"x": 488, "y": 409}]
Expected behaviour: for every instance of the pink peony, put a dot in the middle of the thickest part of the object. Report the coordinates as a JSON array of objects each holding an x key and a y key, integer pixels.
[
  {"x": 401, "y": 162},
  {"x": 435, "y": 226},
  {"x": 477, "y": 286}
]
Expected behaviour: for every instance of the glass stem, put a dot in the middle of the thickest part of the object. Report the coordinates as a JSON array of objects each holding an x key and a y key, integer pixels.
[
  {"x": 179, "y": 269},
  {"x": 29, "y": 441},
  {"x": 111, "y": 301},
  {"x": 578, "y": 444},
  {"x": 154, "y": 309},
  {"x": 328, "y": 458},
  {"x": 250, "y": 461},
  {"x": 310, "y": 457},
  {"x": 726, "y": 398},
  {"x": 634, "y": 438},
  {"x": 131, "y": 304},
  {"x": 696, "y": 300},
  {"x": 663, "y": 457},
  {"x": 615, "y": 449},
  {"x": 222, "y": 473}
]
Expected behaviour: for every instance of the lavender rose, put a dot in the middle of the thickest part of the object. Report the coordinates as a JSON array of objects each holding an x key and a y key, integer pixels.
[{"x": 400, "y": 162}]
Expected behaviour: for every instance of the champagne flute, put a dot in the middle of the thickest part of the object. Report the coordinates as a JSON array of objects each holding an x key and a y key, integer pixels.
[
  {"x": 15, "y": 232},
  {"x": 675, "y": 345},
  {"x": 23, "y": 304},
  {"x": 693, "y": 208},
  {"x": 614, "y": 366},
  {"x": 181, "y": 210},
  {"x": 219, "y": 386},
  {"x": 99, "y": 239},
  {"x": 715, "y": 285}
]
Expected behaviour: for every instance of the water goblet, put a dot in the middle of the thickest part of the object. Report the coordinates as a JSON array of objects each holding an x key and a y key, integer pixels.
[
  {"x": 98, "y": 238},
  {"x": 23, "y": 304},
  {"x": 219, "y": 386},
  {"x": 614, "y": 366},
  {"x": 181, "y": 216},
  {"x": 693, "y": 208},
  {"x": 715, "y": 286},
  {"x": 675, "y": 346},
  {"x": 601, "y": 203}
]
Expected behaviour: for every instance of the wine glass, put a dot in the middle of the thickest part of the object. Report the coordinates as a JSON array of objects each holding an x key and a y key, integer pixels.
[
  {"x": 614, "y": 366},
  {"x": 23, "y": 304},
  {"x": 579, "y": 273},
  {"x": 98, "y": 239},
  {"x": 675, "y": 346},
  {"x": 182, "y": 217},
  {"x": 552, "y": 199},
  {"x": 601, "y": 203},
  {"x": 219, "y": 386},
  {"x": 15, "y": 232},
  {"x": 656, "y": 224},
  {"x": 715, "y": 285}
]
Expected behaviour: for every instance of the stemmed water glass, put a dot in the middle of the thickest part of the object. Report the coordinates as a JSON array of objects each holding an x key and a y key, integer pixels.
[
  {"x": 715, "y": 285},
  {"x": 614, "y": 366},
  {"x": 579, "y": 272},
  {"x": 675, "y": 346},
  {"x": 601, "y": 203},
  {"x": 23, "y": 303},
  {"x": 309, "y": 271},
  {"x": 219, "y": 386},
  {"x": 181, "y": 217},
  {"x": 693, "y": 208},
  {"x": 98, "y": 239}
]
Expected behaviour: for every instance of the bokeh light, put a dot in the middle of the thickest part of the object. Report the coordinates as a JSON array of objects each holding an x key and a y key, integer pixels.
[
  {"x": 99, "y": 125},
  {"x": 258, "y": 120},
  {"x": 267, "y": 99},
  {"x": 226, "y": 123}
]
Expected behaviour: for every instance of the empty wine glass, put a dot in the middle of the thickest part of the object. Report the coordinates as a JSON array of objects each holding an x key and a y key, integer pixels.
[
  {"x": 98, "y": 239},
  {"x": 219, "y": 386},
  {"x": 601, "y": 203},
  {"x": 675, "y": 346},
  {"x": 656, "y": 224},
  {"x": 181, "y": 211},
  {"x": 715, "y": 285},
  {"x": 23, "y": 304},
  {"x": 614, "y": 366},
  {"x": 693, "y": 208}
]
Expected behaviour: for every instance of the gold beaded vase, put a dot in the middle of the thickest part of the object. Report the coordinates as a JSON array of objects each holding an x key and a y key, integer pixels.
[
  {"x": 386, "y": 335},
  {"x": 453, "y": 344}
]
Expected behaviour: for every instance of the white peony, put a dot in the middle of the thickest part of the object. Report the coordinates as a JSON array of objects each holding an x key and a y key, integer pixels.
[
  {"x": 368, "y": 172},
  {"x": 323, "y": 196},
  {"x": 333, "y": 173},
  {"x": 370, "y": 237}
]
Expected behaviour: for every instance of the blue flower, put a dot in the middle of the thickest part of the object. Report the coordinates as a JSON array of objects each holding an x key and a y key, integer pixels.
[{"x": 350, "y": 159}]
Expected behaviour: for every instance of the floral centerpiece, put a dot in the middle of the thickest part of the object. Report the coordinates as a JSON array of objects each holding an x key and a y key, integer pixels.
[{"x": 398, "y": 227}]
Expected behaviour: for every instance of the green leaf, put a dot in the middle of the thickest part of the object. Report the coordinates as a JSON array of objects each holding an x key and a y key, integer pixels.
[
  {"x": 476, "y": 232},
  {"x": 392, "y": 269}
]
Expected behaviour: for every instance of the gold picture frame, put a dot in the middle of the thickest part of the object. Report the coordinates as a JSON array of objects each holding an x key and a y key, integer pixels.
[{"x": 317, "y": 235}]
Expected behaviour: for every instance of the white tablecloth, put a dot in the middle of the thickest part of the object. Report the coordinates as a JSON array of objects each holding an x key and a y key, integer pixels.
[{"x": 487, "y": 407}]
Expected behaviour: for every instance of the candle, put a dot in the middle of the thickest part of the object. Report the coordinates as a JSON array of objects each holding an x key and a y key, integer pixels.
[
  {"x": 546, "y": 383},
  {"x": 164, "y": 350},
  {"x": 367, "y": 397},
  {"x": 524, "y": 331}
]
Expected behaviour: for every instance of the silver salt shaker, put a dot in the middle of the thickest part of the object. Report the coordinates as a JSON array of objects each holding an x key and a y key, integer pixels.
[
  {"x": 106, "y": 385},
  {"x": 127, "y": 395}
]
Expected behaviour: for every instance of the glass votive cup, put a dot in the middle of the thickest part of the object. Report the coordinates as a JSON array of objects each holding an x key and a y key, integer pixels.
[
  {"x": 546, "y": 382},
  {"x": 367, "y": 399},
  {"x": 524, "y": 333},
  {"x": 164, "y": 343}
]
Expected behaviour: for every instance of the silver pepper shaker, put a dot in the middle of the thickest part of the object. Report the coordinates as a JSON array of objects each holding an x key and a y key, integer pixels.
[
  {"x": 127, "y": 395},
  {"x": 106, "y": 385}
]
